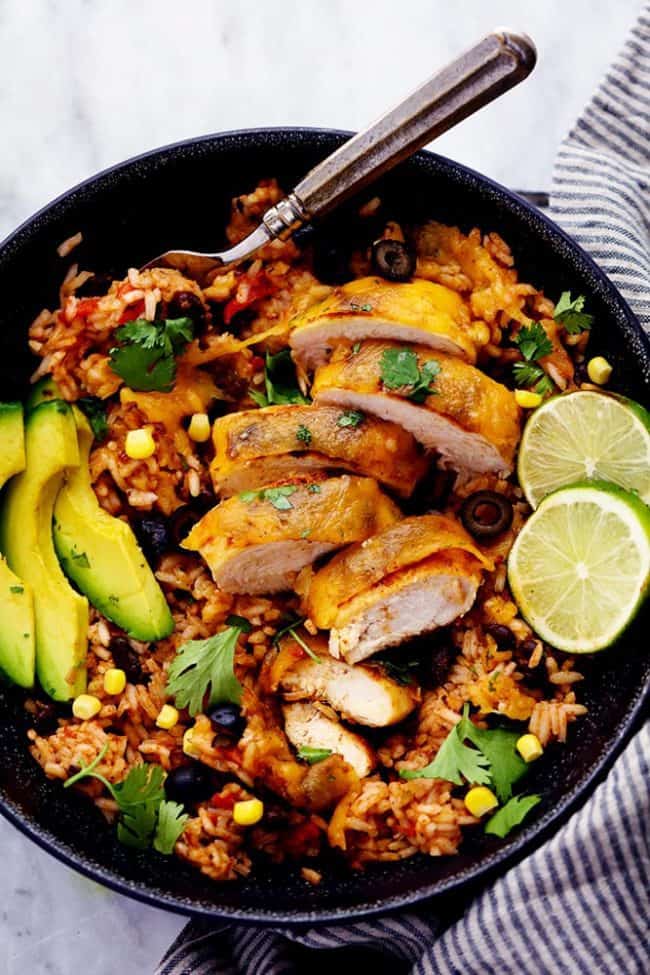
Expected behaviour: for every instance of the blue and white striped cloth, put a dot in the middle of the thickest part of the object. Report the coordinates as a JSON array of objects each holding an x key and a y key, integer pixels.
[{"x": 580, "y": 903}]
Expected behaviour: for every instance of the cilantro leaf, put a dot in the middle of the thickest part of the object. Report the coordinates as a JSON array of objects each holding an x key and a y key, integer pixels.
[
  {"x": 544, "y": 385},
  {"x": 277, "y": 496},
  {"x": 454, "y": 761},
  {"x": 571, "y": 314},
  {"x": 498, "y": 746},
  {"x": 399, "y": 370},
  {"x": 313, "y": 755},
  {"x": 205, "y": 667},
  {"x": 399, "y": 669},
  {"x": 511, "y": 815},
  {"x": 533, "y": 342},
  {"x": 171, "y": 823},
  {"x": 303, "y": 434},
  {"x": 144, "y": 783},
  {"x": 145, "y": 355},
  {"x": 290, "y": 629},
  {"x": 280, "y": 382},
  {"x": 240, "y": 621},
  {"x": 136, "y": 825},
  {"x": 527, "y": 373},
  {"x": 350, "y": 418},
  {"x": 95, "y": 412}
]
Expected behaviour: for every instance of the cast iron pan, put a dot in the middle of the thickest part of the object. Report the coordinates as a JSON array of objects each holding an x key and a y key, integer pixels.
[{"x": 179, "y": 196}]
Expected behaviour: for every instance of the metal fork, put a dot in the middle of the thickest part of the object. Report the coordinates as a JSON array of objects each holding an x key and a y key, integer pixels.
[{"x": 491, "y": 67}]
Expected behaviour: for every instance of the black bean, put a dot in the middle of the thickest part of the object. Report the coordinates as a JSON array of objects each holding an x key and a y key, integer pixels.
[
  {"x": 331, "y": 261},
  {"x": 95, "y": 287},
  {"x": 127, "y": 659},
  {"x": 189, "y": 783},
  {"x": 185, "y": 304},
  {"x": 502, "y": 635},
  {"x": 45, "y": 717},
  {"x": 393, "y": 260},
  {"x": 227, "y": 719},
  {"x": 184, "y": 518},
  {"x": 152, "y": 532},
  {"x": 527, "y": 646}
]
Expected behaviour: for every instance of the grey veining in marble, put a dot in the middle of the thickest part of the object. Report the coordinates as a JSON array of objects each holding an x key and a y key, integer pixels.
[{"x": 86, "y": 83}]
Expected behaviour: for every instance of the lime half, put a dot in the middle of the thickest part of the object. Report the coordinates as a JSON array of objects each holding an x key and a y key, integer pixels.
[
  {"x": 579, "y": 568},
  {"x": 585, "y": 435}
]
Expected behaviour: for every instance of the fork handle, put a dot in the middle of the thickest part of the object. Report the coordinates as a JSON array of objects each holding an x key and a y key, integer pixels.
[{"x": 495, "y": 64}]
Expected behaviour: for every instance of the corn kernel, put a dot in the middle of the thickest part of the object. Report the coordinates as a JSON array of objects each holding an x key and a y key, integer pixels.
[
  {"x": 529, "y": 747},
  {"x": 480, "y": 800},
  {"x": 599, "y": 370},
  {"x": 527, "y": 399},
  {"x": 199, "y": 428},
  {"x": 139, "y": 444},
  {"x": 190, "y": 747},
  {"x": 114, "y": 681},
  {"x": 248, "y": 812},
  {"x": 86, "y": 706},
  {"x": 167, "y": 717}
]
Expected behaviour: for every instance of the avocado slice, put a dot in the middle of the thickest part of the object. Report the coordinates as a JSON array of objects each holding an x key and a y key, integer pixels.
[
  {"x": 102, "y": 557},
  {"x": 17, "y": 643},
  {"x": 44, "y": 391},
  {"x": 61, "y": 614}
]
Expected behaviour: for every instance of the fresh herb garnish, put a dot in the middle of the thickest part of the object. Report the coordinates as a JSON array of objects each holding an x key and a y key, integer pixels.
[
  {"x": 17, "y": 590},
  {"x": 145, "y": 357},
  {"x": 114, "y": 600},
  {"x": 280, "y": 382},
  {"x": 303, "y": 434},
  {"x": 399, "y": 670},
  {"x": 355, "y": 348},
  {"x": 399, "y": 370},
  {"x": 350, "y": 418},
  {"x": 206, "y": 667},
  {"x": 533, "y": 343},
  {"x": 277, "y": 496},
  {"x": 570, "y": 314},
  {"x": 305, "y": 533},
  {"x": 94, "y": 409},
  {"x": 313, "y": 755},
  {"x": 354, "y": 306},
  {"x": 511, "y": 815},
  {"x": 493, "y": 759},
  {"x": 314, "y": 488},
  {"x": 239, "y": 621},
  {"x": 146, "y": 817},
  {"x": 290, "y": 630}
]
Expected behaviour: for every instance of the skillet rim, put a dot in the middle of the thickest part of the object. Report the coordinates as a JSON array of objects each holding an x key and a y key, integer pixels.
[{"x": 540, "y": 830}]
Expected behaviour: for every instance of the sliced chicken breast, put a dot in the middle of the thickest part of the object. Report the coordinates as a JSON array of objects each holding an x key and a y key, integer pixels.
[
  {"x": 257, "y": 542},
  {"x": 361, "y": 566},
  {"x": 469, "y": 419},
  {"x": 417, "y": 311},
  {"x": 413, "y": 601},
  {"x": 363, "y": 695},
  {"x": 307, "y": 727},
  {"x": 256, "y": 447}
]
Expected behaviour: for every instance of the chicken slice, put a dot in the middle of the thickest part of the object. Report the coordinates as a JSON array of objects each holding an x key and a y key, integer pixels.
[
  {"x": 257, "y": 447},
  {"x": 413, "y": 601},
  {"x": 307, "y": 727},
  {"x": 363, "y": 695},
  {"x": 363, "y": 565},
  {"x": 418, "y": 311},
  {"x": 257, "y": 542},
  {"x": 470, "y": 420}
]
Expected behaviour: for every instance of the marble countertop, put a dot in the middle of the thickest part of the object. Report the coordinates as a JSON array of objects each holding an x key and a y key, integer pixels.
[{"x": 85, "y": 84}]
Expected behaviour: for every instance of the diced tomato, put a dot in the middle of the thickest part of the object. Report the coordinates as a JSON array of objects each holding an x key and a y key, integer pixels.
[
  {"x": 257, "y": 363},
  {"x": 223, "y": 802},
  {"x": 131, "y": 312},
  {"x": 249, "y": 290},
  {"x": 85, "y": 307}
]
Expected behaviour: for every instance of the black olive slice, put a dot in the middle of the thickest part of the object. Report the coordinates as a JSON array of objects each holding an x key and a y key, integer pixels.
[
  {"x": 393, "y": 260},
  {"x": 486, "y": 514}
]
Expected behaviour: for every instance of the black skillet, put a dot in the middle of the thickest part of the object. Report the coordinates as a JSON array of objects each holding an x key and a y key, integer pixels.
[{"x": 181, "y": 194}]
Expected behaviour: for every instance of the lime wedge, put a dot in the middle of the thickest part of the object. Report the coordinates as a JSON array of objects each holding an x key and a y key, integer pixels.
[
  {"x": 580, "y": 567},
  {"x": 585, "y": 435}
]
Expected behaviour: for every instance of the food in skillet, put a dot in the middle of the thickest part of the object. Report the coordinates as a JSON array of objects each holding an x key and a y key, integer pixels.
[{"x": 265, "y": 546}]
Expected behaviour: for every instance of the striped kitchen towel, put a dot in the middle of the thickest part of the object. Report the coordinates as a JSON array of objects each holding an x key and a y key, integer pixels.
[{"x": 581, "y": 902}]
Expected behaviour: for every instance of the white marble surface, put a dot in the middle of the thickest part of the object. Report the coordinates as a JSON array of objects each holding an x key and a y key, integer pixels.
[{"x": 86, "y": 83}]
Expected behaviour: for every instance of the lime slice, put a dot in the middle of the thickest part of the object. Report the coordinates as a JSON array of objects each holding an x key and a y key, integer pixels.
[
  {"x": 580, "y": 567},
  {"x": 581, "y": 435}
]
